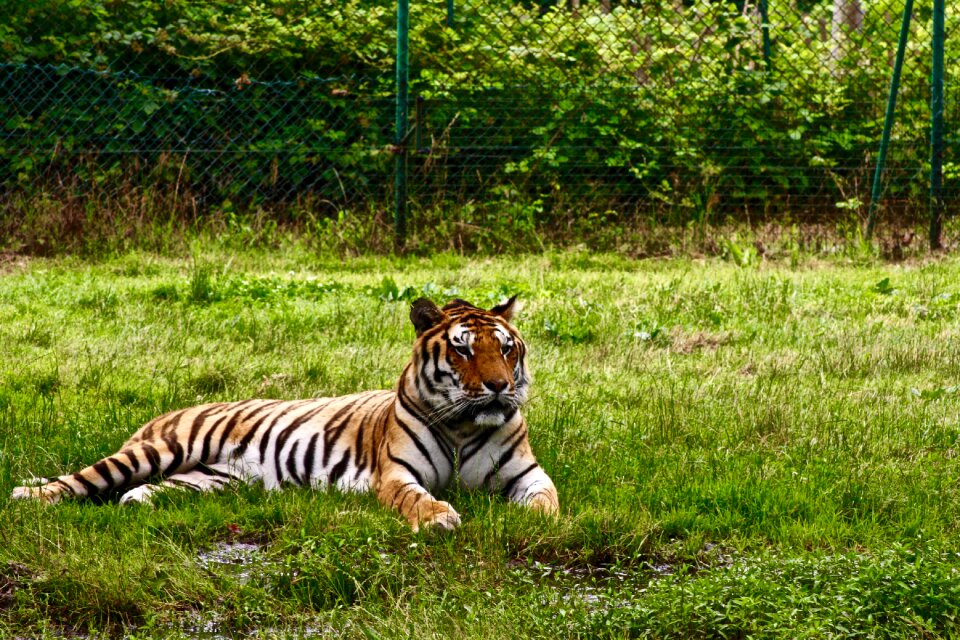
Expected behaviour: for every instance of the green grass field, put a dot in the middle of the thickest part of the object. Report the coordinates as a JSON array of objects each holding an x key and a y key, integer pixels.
[{"x": 759, "y": 451}]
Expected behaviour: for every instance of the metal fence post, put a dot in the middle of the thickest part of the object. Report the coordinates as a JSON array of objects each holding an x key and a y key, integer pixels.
[
  {"x": 936, "y": 126},
  {"x": 765, "y": 29},
  {"x": 450, "y": 13},
  {"x": 400, "y": 142},
  {"x": 888, "y": 118}
]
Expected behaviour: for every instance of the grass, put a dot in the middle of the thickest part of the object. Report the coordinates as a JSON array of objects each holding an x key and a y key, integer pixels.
[
  {"x": 742, "y": 447},
  {"x": 73, "y": 220}
]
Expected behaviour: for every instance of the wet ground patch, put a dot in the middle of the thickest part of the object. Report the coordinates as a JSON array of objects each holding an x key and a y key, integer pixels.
[{"x": 241, "y": 561}]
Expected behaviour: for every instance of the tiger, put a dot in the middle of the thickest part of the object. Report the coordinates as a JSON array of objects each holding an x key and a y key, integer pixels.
[{"x": 454, "y": 415}]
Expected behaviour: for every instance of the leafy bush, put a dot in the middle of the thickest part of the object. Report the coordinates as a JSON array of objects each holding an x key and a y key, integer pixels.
[{"x": 522, "y": 112}]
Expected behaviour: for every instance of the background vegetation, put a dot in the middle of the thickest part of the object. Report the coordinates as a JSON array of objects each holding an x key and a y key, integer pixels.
[
  {"x": 743, "y": 447},
  {"x": 559, "y": 119}
]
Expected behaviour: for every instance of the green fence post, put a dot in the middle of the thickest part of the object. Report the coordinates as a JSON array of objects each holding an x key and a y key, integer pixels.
[
  {"x": 400, "y": 143},
  {"x": 450, "y": 13},
  {"x": 888, "y": 118},
  {"x": 765, "y": 29},
  {"x": 936, "y": 126}
]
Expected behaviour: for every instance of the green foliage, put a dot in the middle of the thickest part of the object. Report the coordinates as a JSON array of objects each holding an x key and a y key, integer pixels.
[
  {"x": 934, "y": 394},
  {"x": 573, "y": 329},
  {"x": 339, "y": 571},
  {"x": 898, "y": 593},
  {"x": 388, "y": 291},
  {"x": 168, "y": 78},
  {"x": 884, "y": 288},
  {"x": 732, "y": 250},
  {"x": 529, "y": 114},
  {"x": 201, "y": 289}
]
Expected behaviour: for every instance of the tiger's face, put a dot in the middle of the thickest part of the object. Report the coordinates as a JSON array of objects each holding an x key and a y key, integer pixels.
[{"x": 470, "y": 362}]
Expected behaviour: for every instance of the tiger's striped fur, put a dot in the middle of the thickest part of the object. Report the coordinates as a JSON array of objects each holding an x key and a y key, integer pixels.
[{"x": 455, "y": 413}]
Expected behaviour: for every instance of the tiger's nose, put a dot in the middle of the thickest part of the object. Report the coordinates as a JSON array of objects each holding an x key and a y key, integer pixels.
[{"x": 497, "y": 386}]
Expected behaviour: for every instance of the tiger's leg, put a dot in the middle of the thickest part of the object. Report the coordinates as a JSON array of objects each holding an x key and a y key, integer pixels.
[
  {"x": 135, "y": 463},
  {"x": 410, "y": 463},
  {"x": 400, "y": 485},
  {"x": 400, "y": 490},
  {"x": 208, "y": 477},
  {"x": 500, "y": 460},
  {"x": 530, "y": 486}
]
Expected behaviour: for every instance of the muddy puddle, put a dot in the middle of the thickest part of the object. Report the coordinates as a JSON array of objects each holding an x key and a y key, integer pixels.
[
  {"x": 602, "y": 588},
  {"x": 595, "y": 587},
  {"x": 240, "y": 560}
]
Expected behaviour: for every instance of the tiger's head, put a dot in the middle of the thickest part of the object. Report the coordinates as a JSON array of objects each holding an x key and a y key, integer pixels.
[{"x": 469, "y": 362}]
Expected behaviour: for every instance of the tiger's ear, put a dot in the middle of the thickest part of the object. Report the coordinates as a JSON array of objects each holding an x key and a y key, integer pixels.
[
  {"x": 506, "y": 310},
  {"x": 424, "y": 314}
]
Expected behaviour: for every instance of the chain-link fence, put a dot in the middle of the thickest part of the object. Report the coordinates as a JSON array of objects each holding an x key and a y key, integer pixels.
[
  {"x": 184, "y": 107},
  {"x": 674, "y": 109},
  {"x": 209, "y": 140},
  {"x": 526, "y": 111}
]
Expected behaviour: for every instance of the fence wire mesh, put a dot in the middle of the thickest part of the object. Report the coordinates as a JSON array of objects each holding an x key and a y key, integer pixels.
[
  {"x": 189, "y": 106},
  {"x": 530, "y": 110},
  {"x": 685, "y": 109}
]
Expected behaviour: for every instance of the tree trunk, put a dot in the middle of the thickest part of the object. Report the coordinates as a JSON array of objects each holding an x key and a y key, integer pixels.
[{"x": 847, "y": 19}]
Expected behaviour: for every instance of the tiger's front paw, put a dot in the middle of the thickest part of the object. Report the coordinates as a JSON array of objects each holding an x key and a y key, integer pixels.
[
  {"x": 435, "y": 514},
  {"x": 545, "y": 502}
]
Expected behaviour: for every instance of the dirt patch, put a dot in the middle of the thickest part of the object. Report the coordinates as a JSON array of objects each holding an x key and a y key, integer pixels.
[
  {"x": 700, "y": 341},
  {"x": 13, "y": 576},
  {"x": 11, "y": 262}
]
